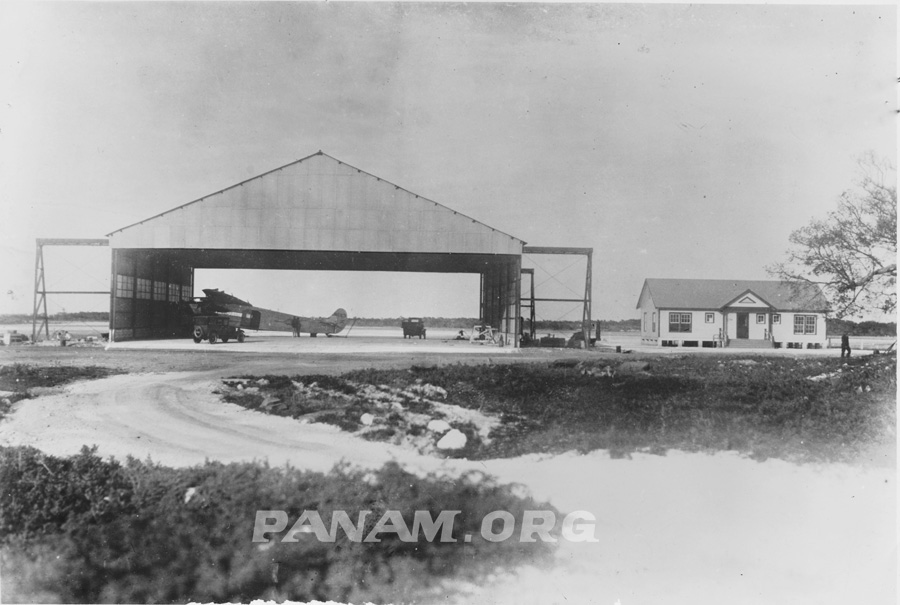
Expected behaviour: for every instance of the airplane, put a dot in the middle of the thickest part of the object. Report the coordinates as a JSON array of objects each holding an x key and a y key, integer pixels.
[{"x": 216, "y": 302}]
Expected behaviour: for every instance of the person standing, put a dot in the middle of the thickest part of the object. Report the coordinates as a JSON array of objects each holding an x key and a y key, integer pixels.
[{"x": 845, "y": 345}]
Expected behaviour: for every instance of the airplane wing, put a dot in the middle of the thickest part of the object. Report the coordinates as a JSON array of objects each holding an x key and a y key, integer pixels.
[{"x": 217, "y": 297}]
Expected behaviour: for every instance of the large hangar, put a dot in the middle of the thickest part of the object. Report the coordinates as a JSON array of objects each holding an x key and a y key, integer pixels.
[{"x": 317, "y": 213}]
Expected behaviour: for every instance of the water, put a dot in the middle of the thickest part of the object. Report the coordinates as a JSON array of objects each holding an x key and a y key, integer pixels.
[{"x": 77, "y": 329}]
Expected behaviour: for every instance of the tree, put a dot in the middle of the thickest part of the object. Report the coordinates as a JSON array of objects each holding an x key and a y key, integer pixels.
[{"x": 852, "y": 254}]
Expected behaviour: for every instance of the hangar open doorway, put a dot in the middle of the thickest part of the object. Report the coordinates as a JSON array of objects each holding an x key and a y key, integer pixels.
[{"x": 370, "y": 295}]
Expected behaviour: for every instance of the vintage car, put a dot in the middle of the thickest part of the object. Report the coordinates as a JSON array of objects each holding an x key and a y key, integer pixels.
[
  {"x": 14, "y": 338},
  {"x": 217, "y": 327},
  {"x": 413, "y": 326}
]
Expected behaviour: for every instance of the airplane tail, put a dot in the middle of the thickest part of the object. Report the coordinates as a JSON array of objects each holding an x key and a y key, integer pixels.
[{"x": 338, "y": 319}]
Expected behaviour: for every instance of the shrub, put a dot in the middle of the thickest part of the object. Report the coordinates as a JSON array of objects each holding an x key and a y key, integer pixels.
[{"x": 185, "y": 534}]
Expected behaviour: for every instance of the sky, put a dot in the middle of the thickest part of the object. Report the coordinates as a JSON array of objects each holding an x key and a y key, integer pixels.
[{"x": 676, "y": 140}]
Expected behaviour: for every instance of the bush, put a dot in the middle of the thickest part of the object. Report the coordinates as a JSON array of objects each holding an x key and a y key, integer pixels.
[
  {"x": 19, "y": 377},
  {"x": 762, "y": 406},
  {"x": 82, "y": 529}
]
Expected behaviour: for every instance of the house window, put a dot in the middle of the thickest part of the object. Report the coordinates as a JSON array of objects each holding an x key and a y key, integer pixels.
[
  {"x": 159, "y": 290},
  {"x": 124, "y": 286},
  {"x": 654, "y": 322},
  {"x": 645, "y": 322},
  {"x": 776, "y": 318},
  {"x": 174, "y": 293},
  {"x": 144, "y": 287},
  {"x": 804, "y": 324},
  {"x": 710, "y": 318},
  {"x": 760, "y": 318},
  {"x": 679, "y": 322}
]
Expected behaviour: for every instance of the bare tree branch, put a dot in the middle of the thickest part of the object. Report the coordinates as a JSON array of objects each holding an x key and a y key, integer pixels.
[{"x": 851, "y": 254}]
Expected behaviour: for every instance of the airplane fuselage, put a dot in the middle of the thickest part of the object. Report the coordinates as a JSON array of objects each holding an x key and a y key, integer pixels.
[{"x": 257, "y": 318}]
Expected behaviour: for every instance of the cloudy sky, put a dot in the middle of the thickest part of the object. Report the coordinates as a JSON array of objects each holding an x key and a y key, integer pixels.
[{"x": 676, "y": 140}]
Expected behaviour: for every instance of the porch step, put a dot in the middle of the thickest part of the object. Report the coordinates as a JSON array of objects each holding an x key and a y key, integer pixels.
[{"x": 748, "y": 343}]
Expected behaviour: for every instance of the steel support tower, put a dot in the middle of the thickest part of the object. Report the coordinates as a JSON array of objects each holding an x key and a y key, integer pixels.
[{"x": 40, "y": 286}]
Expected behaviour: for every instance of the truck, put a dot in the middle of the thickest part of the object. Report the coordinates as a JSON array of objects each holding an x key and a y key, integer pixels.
[
  {"x": 413, "y": 326},
  {"x": 217, "y": 327}
]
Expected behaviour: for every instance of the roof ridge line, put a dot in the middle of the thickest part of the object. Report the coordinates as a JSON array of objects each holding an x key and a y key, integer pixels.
[
  {"x": 421, "y": 196},
  {"x": 322, "y": 153},
  {"x": 200, "y": 199}
]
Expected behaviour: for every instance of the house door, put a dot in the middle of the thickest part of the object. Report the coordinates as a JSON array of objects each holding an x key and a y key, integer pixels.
[{"x": 743, "y": 325}]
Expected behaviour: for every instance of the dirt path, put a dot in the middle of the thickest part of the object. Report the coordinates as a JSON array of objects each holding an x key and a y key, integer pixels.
[{"x": 176, "y": 419}]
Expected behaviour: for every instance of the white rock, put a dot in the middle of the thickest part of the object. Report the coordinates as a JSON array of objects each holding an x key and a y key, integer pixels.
[
  {"x": 39, "y": 391},
  {"x": 269, "y": 401},
  {"x": 439, "y": 426},
  {"x": 418, "y": 419},
  {"x": 453, "y": 440},
  {"x": 367, "y": 419}
]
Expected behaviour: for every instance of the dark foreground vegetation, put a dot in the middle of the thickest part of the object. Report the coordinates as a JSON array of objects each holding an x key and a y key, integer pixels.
[
  {"x": 86, "y": 530},
  {"x": 796, "y": 409}
]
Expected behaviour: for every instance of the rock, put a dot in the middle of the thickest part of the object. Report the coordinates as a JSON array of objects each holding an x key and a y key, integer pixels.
[
  {"x": 439, "y": 426},
  {"x": 269, "y": 401},
  {"x": 821, "y": 377},
  {"x": 633, "y": 367},
  {"x": 367, "y": 419},
  {"x": 417, "y": 419},
  {"x": 859, "y": 389},
  {"x": 745, "y": 362},
  {"x": 189, "y": 494},
  {"x": 598, "y": 371},
  {"x": 240, "y": 387},
  {"x": 453, "y": 440},
  {"x": 38, "y": 391},
  {"x": 7, "y": 394},
  {"x": 262, "y": 382}
]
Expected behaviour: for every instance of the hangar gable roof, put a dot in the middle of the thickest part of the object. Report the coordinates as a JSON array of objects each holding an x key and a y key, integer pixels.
[{"x": 317, "y": 203}]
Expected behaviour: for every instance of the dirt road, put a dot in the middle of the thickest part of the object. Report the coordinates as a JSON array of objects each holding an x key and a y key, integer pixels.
[{"x": 175, "y": 419}]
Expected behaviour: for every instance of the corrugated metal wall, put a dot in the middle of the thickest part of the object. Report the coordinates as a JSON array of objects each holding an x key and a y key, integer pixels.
[
  {"x": 318, "y": 203},
  {"x": 145, "y": 295},
  {"x": 500, "y": 298}
]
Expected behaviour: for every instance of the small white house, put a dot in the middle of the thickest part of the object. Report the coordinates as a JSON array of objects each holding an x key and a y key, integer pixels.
[{"x": 730, "y": 313}]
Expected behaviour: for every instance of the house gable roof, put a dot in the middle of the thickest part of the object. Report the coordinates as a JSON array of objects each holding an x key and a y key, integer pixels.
[
  {"x": 719, "y": 293},
  {"x": 748, "y": 298}
]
